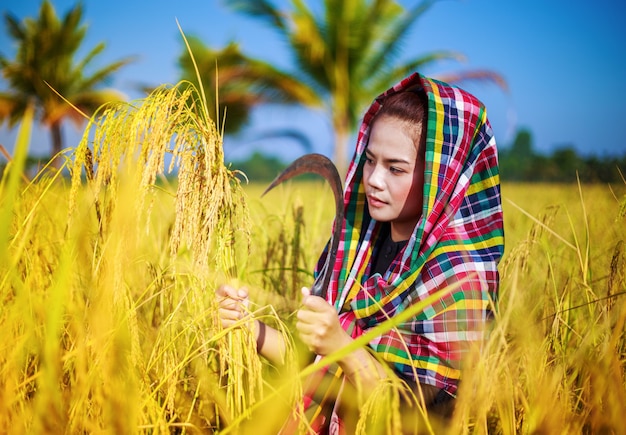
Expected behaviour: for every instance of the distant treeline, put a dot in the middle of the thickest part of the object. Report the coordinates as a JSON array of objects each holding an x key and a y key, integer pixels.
[{"x": 518, "y": 162}]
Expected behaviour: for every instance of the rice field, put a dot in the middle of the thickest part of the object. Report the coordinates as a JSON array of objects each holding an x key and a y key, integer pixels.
[{"x": 109, "y": 323}]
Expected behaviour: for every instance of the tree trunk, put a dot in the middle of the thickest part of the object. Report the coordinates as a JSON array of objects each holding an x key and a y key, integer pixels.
[
  {"x": 341, "y": 145},
  {"x": 57, "y": 143}
]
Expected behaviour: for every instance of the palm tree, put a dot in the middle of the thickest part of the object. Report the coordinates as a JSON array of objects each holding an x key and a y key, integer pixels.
[
  {"x": 347, "y": 53},
  {"x": 44, "y": 68},
  {"x": 239, "y": 82}
]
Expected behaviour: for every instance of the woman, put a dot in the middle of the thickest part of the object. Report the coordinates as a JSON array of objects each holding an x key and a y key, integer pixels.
[{"x": 423, "y": 216}]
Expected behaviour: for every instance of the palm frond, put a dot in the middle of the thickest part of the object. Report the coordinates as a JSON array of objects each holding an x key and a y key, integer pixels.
[
  {"x": 477, "y": 75},
  {"x": 261, "y": 9}
]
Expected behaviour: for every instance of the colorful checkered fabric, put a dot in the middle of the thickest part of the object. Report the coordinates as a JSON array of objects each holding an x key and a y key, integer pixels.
[{"x": 459, "y": 240}]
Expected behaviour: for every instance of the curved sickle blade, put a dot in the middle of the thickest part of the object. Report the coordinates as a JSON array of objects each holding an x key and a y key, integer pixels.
[{"x": 321, "y": 165}]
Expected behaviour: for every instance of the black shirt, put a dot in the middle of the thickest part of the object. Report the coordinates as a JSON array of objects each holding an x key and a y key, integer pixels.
[{"x": 385, "y": 252}]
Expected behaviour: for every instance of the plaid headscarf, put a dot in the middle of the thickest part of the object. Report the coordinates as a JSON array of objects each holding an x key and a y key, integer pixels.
[{"x": 458, "y": 240}]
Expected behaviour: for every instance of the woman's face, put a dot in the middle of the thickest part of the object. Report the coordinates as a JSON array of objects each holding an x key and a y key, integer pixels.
[{"x": 393, "y": 177}]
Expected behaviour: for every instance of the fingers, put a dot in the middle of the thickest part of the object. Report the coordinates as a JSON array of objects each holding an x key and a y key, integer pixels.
[
  {"x": 226, "y": 291},
  {"x": 312, "y": 321},
  {"x": 320, "y": 330},
  {"x": 314, "y": 303},
  {"x": 316, "y": 316},
  {"x": 315, "y": 310},
  {"x": 229, "y": 317},
  {"x": 233, "y": 304},
  {"x": 318, "y": 325}
]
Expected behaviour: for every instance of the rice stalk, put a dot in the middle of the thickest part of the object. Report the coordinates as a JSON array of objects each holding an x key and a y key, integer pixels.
[
  {"x": 296, "y": 249},
  {"x": 357, "y": 343},
  {"x": 376, "y": 419},
  {"x": 617, "y": 274},
  {"x": 553, "y": 373},
  {"x": 10, "y": 182},
  {"x": 129, "y": 145},
  {"x": 105, "y": 328}
]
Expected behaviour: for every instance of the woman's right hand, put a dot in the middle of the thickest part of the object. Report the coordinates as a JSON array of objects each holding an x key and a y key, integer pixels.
[{"x": 233, "y": 304}]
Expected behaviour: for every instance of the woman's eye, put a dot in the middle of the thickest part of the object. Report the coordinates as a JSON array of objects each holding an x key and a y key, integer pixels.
[{"x": 395, "y": 170}]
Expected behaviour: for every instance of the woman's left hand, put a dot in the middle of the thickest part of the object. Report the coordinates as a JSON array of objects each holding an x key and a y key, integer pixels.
[{"x": 318, "y": 325}]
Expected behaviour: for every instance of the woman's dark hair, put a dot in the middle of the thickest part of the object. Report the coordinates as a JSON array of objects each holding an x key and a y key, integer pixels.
[{"x": 411, "y": 107}]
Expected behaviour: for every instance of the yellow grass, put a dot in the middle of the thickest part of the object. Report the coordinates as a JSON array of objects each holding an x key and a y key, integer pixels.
[{"x": 110, "y": 329}]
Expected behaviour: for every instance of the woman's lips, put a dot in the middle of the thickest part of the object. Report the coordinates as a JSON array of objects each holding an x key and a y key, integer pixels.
[{"x": 375, "y": 202}]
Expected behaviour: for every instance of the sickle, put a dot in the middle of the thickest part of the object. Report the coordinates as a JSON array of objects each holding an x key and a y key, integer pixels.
[{"x": 321, "y": 165}]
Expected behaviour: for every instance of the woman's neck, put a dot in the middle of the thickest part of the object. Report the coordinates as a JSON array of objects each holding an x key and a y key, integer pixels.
[{"x": 401, "y": 231}]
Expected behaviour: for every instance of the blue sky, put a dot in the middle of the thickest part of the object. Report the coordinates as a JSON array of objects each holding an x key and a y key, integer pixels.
[{"x": 564, "y": 61}]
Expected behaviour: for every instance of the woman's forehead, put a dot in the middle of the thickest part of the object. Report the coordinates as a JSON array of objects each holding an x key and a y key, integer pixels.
[{"x": 392, "y": 138}]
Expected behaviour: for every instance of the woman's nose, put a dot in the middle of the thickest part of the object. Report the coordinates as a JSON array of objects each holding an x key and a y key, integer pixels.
[{"x": 375, "y": 178}]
